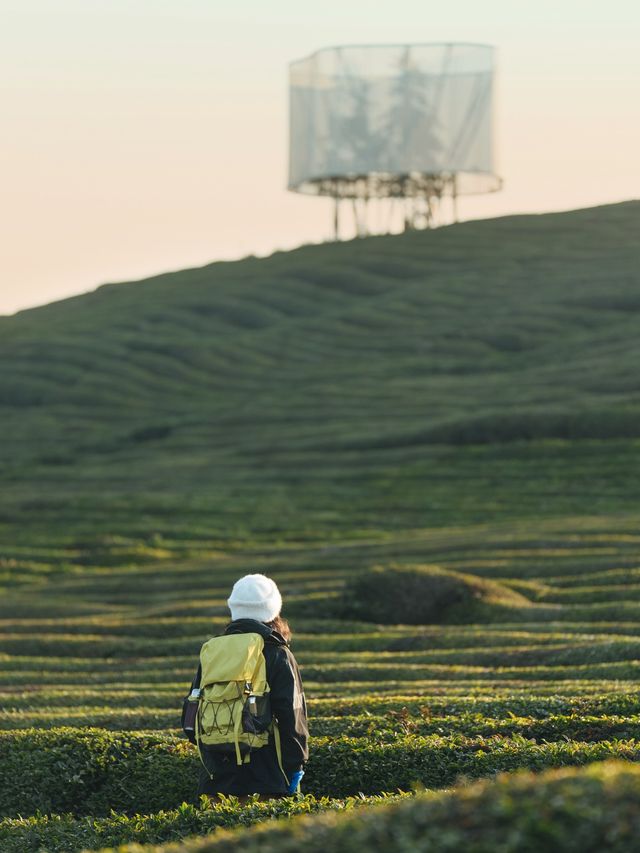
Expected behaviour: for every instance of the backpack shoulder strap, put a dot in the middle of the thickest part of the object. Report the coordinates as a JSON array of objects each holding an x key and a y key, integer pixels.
[{"x": 278, "y": 746}]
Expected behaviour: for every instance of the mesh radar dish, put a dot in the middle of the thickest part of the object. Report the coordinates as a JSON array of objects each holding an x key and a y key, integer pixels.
[{"x": 407, "y": 124}]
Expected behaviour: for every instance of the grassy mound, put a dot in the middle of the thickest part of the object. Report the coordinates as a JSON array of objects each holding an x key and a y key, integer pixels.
[
  {"x": 583, "y": 810},
  {"x": 422, "y": 595}
]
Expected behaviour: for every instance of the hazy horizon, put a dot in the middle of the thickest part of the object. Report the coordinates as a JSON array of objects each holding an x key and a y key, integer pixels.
[{"x": 149, "y": 137}]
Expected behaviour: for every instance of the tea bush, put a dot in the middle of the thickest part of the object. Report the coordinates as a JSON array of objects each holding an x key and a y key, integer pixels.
[
  {"x": 67, "y": 834},
  {"x": 91, "y": 772},
  {"x": 578, "y": 810}
]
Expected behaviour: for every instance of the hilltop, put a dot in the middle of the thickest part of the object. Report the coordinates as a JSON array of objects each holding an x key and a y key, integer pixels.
[{"x": 332, "y": 376}]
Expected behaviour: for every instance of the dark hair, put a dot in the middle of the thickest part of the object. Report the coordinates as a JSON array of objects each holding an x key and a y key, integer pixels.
[{"x": 281, "y": 626}]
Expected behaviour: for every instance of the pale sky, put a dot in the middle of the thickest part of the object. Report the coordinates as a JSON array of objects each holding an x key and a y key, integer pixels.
[{"x": 141, "y": 136}]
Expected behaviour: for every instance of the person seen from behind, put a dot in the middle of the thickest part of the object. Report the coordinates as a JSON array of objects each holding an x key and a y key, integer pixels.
[{"x": 247, "y": 711}]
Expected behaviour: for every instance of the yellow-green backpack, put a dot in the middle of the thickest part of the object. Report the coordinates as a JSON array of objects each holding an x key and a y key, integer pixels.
[{"x": 234, "y": 711}]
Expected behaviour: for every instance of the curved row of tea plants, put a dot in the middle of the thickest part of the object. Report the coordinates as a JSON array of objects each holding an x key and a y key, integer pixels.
[
  {"x": 67, "y": 834},
  {"x": 91, "y": 772},
  {"x": 577, "y": 810},
  {"x": 387, "y": 727}
]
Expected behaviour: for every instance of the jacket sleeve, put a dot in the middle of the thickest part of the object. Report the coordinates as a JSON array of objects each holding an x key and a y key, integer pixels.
[{"x": 290, "y": 709}]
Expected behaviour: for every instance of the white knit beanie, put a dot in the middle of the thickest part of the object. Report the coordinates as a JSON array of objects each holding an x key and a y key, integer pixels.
[{"x": 255, "y": 597}]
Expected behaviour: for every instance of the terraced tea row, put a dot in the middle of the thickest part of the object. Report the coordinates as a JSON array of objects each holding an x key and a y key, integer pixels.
[
  {"x": 97, "y": 771},
  {"x": 583, "y": 810},
  {"x": 319, "y": 678},
  {"x": 68, "y": 834},
  {"x": 508, "y": 646},
  {"x": 374, "y": 727}
]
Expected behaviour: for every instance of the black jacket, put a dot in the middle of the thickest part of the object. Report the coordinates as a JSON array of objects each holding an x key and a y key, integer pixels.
[{"x": 262, "y": 775}]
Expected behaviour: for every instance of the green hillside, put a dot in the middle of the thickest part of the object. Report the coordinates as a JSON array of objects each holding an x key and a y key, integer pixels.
[
  {"x": 466, "y": 398},
  {"x": 323, "y": 389}
]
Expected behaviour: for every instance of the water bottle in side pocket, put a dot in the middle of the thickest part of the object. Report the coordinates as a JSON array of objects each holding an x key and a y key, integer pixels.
[{"x": 189, "y": 713}]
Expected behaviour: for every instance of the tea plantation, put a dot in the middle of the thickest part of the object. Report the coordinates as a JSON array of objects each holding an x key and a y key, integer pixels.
[{"x": 460, "y": 404}]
